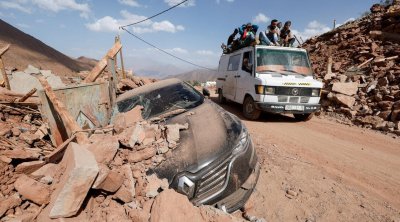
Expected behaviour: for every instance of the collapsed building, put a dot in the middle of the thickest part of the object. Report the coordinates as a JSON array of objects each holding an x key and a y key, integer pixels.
[
  {"x": 61, "y": 159},
  {"x": 359, "y": 64}
]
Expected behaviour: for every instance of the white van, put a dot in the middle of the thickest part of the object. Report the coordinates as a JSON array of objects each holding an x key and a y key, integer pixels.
[{"x": 269, "y": 78}]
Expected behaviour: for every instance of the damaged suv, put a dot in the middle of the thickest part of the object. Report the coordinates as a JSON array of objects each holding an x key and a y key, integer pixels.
[{"x": 215, "y": 162}]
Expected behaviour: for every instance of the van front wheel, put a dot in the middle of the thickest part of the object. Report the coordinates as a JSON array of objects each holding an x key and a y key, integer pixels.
[{"x": 249, "y": 109}]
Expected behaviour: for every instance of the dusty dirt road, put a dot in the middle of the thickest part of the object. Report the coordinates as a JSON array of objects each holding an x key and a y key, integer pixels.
[{"x": 333, "y": 172}]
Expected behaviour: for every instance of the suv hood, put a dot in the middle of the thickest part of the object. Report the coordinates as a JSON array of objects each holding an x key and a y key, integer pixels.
[{"x": 212, "y": 134}]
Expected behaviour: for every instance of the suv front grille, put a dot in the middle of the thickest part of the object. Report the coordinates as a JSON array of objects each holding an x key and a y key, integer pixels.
[{"x": 213, "y": 181}]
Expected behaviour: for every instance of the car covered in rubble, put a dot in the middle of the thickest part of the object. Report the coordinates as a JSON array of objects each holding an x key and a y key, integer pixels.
[{"x": 215, "y": 162}]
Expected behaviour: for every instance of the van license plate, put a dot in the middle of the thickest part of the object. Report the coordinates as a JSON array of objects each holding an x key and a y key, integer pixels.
[{"x": 292, "y": 107}]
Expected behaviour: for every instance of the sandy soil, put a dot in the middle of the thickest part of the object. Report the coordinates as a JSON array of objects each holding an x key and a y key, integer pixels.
[{"x": 333, "y": 171}]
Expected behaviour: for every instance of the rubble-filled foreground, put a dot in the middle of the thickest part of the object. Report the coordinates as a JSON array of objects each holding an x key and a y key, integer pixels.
[
  {"x": 359, "y": 64},
  {"x": 95, "y": 175},
  {"x": 103, "y": 180}
]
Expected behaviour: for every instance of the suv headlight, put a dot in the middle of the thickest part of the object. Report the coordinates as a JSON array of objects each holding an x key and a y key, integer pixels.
[
  {"x": 315, "y": 92},
  {"x": 242, "y": 142}
]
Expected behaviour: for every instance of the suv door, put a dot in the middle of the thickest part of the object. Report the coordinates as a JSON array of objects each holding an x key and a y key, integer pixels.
[
  {"x": 244, "y": 76},
  {"x": 229, "y": 90}
]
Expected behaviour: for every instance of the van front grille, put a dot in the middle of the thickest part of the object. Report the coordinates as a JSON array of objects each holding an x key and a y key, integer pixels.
[
  {"x": 304, "y": 99},
  {"x": 293, "y": 99},
  {"x": 283, "y": 99}
]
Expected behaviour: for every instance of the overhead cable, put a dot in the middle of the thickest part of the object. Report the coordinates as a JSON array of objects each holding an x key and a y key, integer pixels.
[
  {"x": 166, "y": 10},
  {"x": 176, "y": 57}
]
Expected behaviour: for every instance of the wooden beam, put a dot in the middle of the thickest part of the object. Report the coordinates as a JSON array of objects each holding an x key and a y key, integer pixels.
[
  {"x": 58, "y": 153},
  {"x": 29, "y": 94},
  {"x": 4, "y": 49},
  {"x": 101, "y": 65},
  {"x": 5, "y": 77},
  {"x": 329, "y": 68},
  {"x": 122, "y": 59},
  {"x": 366, "y": 62},
  {"x": 70, "y": 124}
]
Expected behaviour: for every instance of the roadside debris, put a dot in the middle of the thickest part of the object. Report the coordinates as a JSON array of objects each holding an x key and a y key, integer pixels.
[
  {"x": 89, "y": 174},
  {"x": 362, "y": 72}
]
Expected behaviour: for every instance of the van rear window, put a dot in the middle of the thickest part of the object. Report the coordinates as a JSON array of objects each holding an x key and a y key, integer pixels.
[{"x": 234, "y": 61}]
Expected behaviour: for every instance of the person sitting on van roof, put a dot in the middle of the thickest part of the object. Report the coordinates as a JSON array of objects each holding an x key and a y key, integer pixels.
[
  {"x": 271, "y": 35},
  {"x": 232, "y": 37},
  {"x": 287, "y": 35},
  {"x": 247, "y": 34},
  {"x": 232, "y": 43}
]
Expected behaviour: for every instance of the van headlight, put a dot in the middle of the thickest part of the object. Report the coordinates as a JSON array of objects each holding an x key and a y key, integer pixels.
[
  {"x": 315, "y": 92},
  {"x": 269, "y": 90},
  {"x": 242, "y": 143},
  {"x": 266, "y": 90}
]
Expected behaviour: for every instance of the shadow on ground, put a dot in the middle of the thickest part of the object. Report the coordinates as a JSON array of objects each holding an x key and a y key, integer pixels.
[{"x": 236, "y": 109}]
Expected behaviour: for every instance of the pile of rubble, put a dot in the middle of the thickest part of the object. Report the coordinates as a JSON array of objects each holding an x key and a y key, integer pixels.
[
  {"x": 359, "y": 65},
  {"x": 100, "y": 174}
]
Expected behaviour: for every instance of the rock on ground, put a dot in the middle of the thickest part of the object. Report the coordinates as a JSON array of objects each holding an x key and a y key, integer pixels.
[{"x": 80, "y": 174}]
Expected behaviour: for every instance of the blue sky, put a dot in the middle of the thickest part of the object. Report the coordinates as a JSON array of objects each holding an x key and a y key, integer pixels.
[{"x": 193, "y": 32}]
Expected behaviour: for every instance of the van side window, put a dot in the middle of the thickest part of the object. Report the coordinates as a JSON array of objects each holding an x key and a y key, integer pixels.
[
  {"x": 233, "y": 64},
  {"x": 247, "y": 63}
]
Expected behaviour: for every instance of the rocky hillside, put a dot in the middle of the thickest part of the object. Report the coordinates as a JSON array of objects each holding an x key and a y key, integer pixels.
[
  {"x": 359, "y": 64},
  {"x": 26, "y": 50}
]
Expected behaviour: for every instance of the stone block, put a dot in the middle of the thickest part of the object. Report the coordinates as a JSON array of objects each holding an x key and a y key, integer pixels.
[
  {"x": 32, "y": 190},
  {"x": 349, "y": 88},
  {"x": 104, "y": 149},
  {"x": 81, "y": 172}
]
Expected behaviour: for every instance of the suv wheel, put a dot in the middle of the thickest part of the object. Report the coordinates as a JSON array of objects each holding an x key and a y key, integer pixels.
[
  {"x": 303, "y": 117},
  {"x": 221, "y": 98},
  {"x": 249, "y": 109}
]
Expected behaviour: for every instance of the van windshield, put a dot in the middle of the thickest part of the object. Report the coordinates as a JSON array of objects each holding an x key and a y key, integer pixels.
[{"x": 283, "y": 61}]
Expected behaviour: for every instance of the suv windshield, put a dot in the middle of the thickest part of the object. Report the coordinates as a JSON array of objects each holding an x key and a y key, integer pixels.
[
  {"x": 283, "y": 61},
  {"x": 163, "y": 100}
]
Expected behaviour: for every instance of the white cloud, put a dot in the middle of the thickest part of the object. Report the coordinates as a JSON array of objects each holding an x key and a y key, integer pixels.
[
  {"x": 105, "y": 24},
  {"x": 17, "y": 5},
  {"x": 58, "y": 5},
  {"x": 49, "y": 5},
  {"x": 175, "y": 2},
  {"x": 132, "y": 3},
  {"x": 205, "y": 52},
  {"x": 165, "y": 26},
  {"x": 261, "y": 18},
  {"x": 313, "y": 28},
  {"x": 348, "y": 20},
  {"x": 110, "y": 24}
]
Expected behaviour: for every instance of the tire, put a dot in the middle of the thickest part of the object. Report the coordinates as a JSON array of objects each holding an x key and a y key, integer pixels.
[
  {"x": 249, "y": 109},
  {"x": 221, "y": 98},
  {"x": 303, "y": 117}
]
